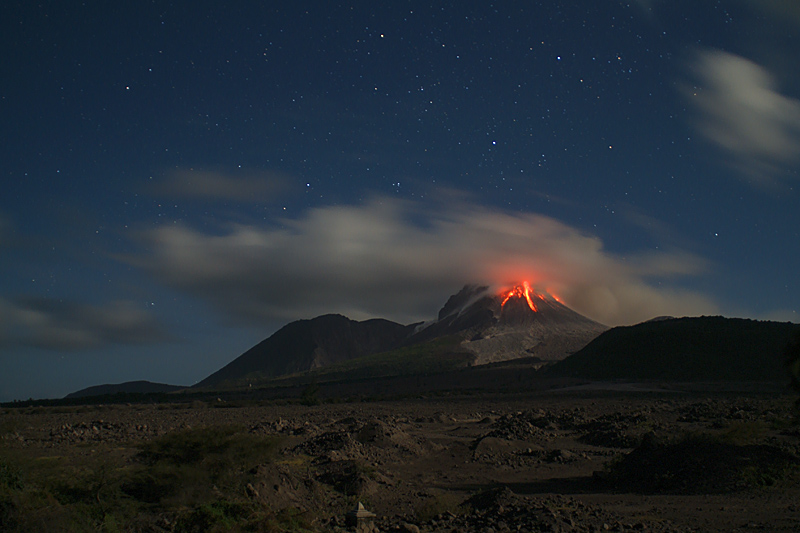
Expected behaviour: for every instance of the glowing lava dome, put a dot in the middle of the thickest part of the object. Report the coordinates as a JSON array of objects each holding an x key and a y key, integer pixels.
[{"x": 522, "y": 291}]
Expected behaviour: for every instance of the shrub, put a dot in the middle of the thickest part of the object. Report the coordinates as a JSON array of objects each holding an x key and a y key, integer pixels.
[
  {"x": 310, "y": 395},
  {"x": 190, "y": 464},
  {"x": 744, "y": 432},
  {"x": 289, "y": 519},
  {"x": 10, "y": 476},
  {"x": 221, "y": 515},
  {"x": 700, "y": 464}
]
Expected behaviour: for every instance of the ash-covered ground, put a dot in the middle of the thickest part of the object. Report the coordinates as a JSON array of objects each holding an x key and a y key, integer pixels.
[{"x": 555, "y": 461}]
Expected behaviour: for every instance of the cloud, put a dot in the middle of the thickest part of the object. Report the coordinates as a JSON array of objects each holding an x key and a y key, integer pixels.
[
  {"x": 402, "y": 259},
  {"x": 260, "y": 188},
  {"x": 741, "y": 111},
  {"x": 57, "y": 325}
]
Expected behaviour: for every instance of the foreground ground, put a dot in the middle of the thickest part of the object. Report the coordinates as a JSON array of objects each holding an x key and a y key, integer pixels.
[{"x": 574, "y": 460}]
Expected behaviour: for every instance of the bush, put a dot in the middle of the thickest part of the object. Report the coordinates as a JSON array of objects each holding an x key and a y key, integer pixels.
[
  {"x": 189, "y": 464},
  {"x": 195, "y": 478},
  {"x": 221, "y": 515},
  {"x": 744, "y": 432},
  {"x": 10, "y": 476},
  {"x": 289, "y": 519},
  {"x": 700, "y": 464}
]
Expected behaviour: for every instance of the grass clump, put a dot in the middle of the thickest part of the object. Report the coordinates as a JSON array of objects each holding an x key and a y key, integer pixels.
[
  {"x": 195, "y": 479},
  {"x": 10, "y": 476},
  {"x": 289, "y": 519},
  {"x": 192, "y": 465},
  {"x": 60, "y": 495},
  {"x": 744, "y": 432},
  {"x": 221, "y": 515}
]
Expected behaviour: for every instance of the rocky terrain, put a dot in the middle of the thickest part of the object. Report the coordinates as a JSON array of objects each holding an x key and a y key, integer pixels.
[
  {"x": 511, "y": 324},
  {"x": 570, "y": 460}
]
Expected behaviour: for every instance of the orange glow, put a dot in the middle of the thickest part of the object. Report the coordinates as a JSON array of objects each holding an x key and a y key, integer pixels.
[
  {"x": 522, "y": 291},
  {"x": 554, "y": 297}
]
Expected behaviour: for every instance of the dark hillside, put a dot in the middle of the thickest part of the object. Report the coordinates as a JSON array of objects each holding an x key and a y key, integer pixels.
[
  {"x": 305, "y": 345},
  {"x": 685, "y": 349},
  {"x": 129, "y": 387}
]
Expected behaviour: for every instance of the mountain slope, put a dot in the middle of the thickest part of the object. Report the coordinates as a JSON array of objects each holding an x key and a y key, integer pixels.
[
  {"x": 685, "y": 349},
  {"x": 308, "y": 344},
  {"x": 510, "y": 324},
  {"x": 478, "y": 326}
]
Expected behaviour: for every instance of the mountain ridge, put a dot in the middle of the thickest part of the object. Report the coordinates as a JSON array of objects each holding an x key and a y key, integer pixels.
[
  {"x": 489, "y": 325},
  {"x": 307, "y": 344},
  {"x": 712, "y": 348},
  {"x": 128, "y": 387}
]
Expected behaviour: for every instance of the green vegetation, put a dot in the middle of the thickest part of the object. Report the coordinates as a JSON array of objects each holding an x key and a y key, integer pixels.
[
  {"x": 10, "y": 422},
  {"x": 440, "y": 355},
  {"x": 189, "y": 467},
  {"x": 744, "y": 432},
  {"x": 434, "y": 357},
  {"x": 309, "y": 395},
  {"x": 194, "y": 479}
]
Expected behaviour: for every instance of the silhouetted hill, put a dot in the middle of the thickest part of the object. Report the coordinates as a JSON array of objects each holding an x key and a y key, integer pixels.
[
  {"x": 685, "y": 349},
  {"x": 129, "y": 387},
  {"x": 309, "y": 344}
]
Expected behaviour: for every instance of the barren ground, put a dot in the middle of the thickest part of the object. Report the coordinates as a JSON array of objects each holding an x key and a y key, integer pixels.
[{"x": 523, "y": 462}]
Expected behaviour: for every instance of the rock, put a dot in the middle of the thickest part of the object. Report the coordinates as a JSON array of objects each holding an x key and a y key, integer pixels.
[
  {"x": 405, "y": 527},
  {"x": 347, "y": 477}
]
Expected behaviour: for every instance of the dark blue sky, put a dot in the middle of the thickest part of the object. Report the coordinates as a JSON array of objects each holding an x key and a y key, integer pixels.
[{"x": 181, "y": 179}]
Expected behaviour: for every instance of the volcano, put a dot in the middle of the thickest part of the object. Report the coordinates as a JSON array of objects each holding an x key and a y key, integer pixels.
[
  {"x": 512, "y": 322},
  {"x": 487, "y": 325}
]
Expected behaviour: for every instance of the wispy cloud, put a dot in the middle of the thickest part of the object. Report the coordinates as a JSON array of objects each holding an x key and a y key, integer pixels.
[
  {"x": 742, "y": 112},
  {"x": 401, "y": 259},
  {"x": 259, "y": 188},
  {"x": 57, "y": 325}
]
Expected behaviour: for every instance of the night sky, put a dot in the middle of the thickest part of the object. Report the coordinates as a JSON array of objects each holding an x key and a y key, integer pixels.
[{"x": 181, "y": 179}]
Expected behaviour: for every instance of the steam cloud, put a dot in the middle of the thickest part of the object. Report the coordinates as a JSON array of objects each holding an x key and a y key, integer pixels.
[
  {"x": 743, "y": 113},
  {"x": 56, "y": 325},
  {"x": 395, "y": 259}
]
